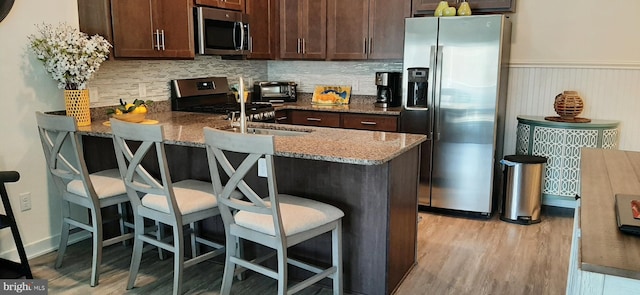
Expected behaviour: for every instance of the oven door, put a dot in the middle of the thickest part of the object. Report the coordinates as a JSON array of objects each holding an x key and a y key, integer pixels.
[{"x": 221, "y": 32}]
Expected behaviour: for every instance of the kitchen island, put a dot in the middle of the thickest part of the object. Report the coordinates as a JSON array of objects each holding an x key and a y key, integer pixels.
[
  {"x": 371, "y": 176},
  {"x": 603, "y": 259}
]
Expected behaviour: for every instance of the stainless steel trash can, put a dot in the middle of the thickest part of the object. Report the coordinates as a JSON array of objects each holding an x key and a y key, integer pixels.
[{"x": 523, "y": 181}]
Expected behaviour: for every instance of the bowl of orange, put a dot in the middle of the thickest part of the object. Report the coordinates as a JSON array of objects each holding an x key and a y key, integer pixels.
[
  {"x": 135, "y": 112},
  {"x": 130, "y": 117}
]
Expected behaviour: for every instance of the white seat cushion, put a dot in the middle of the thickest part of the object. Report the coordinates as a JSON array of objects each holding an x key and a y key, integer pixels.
[
  {"x": 106, "y": 183},
  {"x": 191, "y": 196},
  {"x": 297, "y": 214}
]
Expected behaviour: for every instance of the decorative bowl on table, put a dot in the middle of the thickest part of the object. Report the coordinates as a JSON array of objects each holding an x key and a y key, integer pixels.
[{"x": 130, "y": 117}]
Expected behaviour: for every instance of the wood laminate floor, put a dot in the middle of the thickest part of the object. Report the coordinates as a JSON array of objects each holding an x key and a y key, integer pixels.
[{"x": 455, "y": 256}]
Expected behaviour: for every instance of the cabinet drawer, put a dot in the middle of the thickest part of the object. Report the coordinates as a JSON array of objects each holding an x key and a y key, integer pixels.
[
  {"x": 370, "y": 122},
  {"x": 283, "y": 117},
  {"x": 322, "y": 119}
]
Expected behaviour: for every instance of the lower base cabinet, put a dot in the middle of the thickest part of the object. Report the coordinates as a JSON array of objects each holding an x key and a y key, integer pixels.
[{"x": 387, "y": 123}]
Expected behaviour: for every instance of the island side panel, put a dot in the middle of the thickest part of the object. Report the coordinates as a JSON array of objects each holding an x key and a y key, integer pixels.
[
  {"x": 361, "y": 191},
  {"x": 403, "y": 216},
  {"x": 379, "y": 201}
]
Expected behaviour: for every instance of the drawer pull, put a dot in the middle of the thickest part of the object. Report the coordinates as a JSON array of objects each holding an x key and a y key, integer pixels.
[
  {"x": 314, "y": 119},
  {"x": 281, "y": 118},
  {"x": 368, "y": 123}
]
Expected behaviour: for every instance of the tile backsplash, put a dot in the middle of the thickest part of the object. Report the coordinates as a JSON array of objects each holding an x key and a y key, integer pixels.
[
  {"x": 359, "y": 74},
  {"x": 149, "y": 79}
]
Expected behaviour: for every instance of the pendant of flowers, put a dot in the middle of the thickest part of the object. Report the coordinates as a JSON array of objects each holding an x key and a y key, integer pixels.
[{"x": 69, "y": 55}]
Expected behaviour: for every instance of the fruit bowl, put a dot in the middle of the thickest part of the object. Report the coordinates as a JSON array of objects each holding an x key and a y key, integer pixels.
[{"x": 130, "y": 117}]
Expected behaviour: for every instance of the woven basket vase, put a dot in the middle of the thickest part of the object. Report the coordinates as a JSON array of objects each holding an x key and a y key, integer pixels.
[
  {"x": 76, "y": 104},
  {"x": 568, "y": 105}
]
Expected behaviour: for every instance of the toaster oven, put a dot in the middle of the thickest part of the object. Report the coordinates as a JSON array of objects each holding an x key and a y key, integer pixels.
[{"x": 275, "y": 92}]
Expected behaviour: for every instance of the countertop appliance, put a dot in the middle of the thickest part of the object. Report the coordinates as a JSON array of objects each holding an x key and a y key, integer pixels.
[
  {"x": 275, "y": 92},
  {"x": 212, "y": 95},
  {"x": 454, "y": 91},
  {"x": 221, "y": 32},
  {"x": 389, "y": 92}
]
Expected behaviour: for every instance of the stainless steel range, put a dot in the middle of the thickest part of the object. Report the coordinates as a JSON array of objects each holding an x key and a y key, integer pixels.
[{"x": 212, "y": 95}]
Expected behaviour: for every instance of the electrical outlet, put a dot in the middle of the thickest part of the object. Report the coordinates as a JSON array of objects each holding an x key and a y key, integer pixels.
[
  {"x": 93, "y": 93},
  {"x": 142, "y": 90},
  {"x": 262, "y": 167},
  {"x": 25, "y": 201}
]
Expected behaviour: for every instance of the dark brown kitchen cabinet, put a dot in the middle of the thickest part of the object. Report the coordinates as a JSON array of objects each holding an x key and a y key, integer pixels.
[
  {"x": 366, "y": 29},
  {"x": 427, "y": 7},
  {"x": 313, "y": 118},
  {"x": 375, "y": 122},
  {"x": 94, "y": 17},
  {"x": 263, "y": 19},
  {"x": 282, "y": 116},
  {"x": 370, "y": 122},
  {"x": 303, "y": 30},
  {"x": 152, "y": 28},
  {"x": 226, "y": 4}
]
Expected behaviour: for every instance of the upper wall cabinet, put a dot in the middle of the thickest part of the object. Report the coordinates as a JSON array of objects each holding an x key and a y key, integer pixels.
[
  {"x": 264, "y": 25},
  {"x": 427, "y": 7},
  {"x": 153, "y": 28},
  {"x": 226, "y": 4},
  {"x": 303, "y": 30},
  {"x": 366, "y": 29}
]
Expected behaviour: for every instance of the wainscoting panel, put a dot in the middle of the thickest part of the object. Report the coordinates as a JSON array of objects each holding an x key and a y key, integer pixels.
[{"x": 608, "y": 94}]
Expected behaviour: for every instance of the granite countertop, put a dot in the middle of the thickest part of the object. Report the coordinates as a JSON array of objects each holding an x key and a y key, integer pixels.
[
  {"x": 326, "y": 144},
  {"x": 359, "y": 108}
]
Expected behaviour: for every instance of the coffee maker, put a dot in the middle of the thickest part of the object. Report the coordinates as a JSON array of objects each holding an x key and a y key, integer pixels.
[{"x": 389, "y": 89}]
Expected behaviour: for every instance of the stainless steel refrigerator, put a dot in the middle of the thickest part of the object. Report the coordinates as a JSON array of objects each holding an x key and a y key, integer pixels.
[{"x": 454, "y": 91}]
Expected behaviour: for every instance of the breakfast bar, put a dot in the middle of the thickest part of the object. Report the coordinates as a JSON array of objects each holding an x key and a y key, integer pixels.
[
  {"x": 604, "y": 260},
  {"x": 372, "y": 176}
]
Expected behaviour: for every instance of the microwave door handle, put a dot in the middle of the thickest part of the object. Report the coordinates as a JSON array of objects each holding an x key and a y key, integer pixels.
[
  {"x": 201, "y": 29},
  {"x": 241, "y": 25},
  {"x": 235, "y": 30},
  {"x": 237, "y": 27},
  {"x": 248, "y": 38}
]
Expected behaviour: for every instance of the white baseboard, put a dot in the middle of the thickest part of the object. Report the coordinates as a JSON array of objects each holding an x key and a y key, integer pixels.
[
  {"x": 45, "y": 246},
  {"x": 556, "y": 201}
]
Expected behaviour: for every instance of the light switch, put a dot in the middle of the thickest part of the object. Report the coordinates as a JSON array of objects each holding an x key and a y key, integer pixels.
[{"x": 262, "y": 167}]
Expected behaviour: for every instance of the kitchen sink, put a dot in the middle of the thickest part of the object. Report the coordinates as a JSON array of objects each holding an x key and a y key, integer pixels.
[{"x": 269, "y": 131}]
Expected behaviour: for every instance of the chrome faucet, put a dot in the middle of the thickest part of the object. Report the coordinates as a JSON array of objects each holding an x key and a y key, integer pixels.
[{"x": 243, "y": 113}]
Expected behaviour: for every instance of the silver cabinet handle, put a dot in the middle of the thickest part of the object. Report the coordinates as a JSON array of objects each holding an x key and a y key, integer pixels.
[
  {"x": 156, "y": 46},
  {"x": 368, "y": 123},
  {"x": 304, "y": 46},
  {"x": 162, "y": 38},
  {"x": 364, "y": 48},
  {"x": 281, "y": 118},
  {"x": 298, "y": 46},
  {"x": 314, "y": 119}
]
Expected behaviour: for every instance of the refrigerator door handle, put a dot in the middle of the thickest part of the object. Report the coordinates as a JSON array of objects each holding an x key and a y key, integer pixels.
[{"x": 436, "y": 84}]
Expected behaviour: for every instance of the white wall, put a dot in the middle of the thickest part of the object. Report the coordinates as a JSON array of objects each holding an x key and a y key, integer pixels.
[
  {"x": 26, "y": 88},
  {"x": 576, "y": 32},
  {"x": 548, "y": 34}
]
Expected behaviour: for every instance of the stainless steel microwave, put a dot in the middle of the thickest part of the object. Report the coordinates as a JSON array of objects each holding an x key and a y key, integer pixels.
[{"x": 221, "y": 32}]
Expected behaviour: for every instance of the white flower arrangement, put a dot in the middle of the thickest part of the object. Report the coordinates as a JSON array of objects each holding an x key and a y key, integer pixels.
[{"x": 69, "y": 55}]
